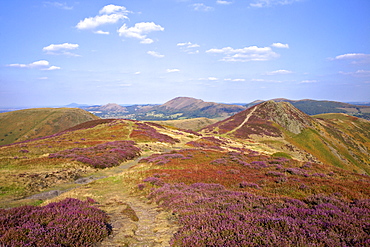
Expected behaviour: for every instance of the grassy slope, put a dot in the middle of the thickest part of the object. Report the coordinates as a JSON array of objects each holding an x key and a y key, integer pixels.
[
  {"x": 38, "y": 122},
  {"x": 194, "y": 124}
]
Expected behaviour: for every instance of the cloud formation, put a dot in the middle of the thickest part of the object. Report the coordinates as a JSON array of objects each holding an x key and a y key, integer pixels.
[
  {"x": 269, "y": 3},
  {"x": 189, "y": 47},
  {"x": 61, "y": 49},
  {"x": 109, "y": 14},
  {"x": 42, "y": 65},
  {"x": 172, "y": 70},
  {"x": 279, "y": 72},
  {"x": 235, "y": 80},
  {"x": 58, "y": 5},
  {"x": 139, "y": 31},
  {"x": 280, "y": 45},
  {"x": 155, "y": 54},
  {"x": 202, "y": 7},
  {"x": 223, "y": 2},
  {"x": 251, "y": 53}
]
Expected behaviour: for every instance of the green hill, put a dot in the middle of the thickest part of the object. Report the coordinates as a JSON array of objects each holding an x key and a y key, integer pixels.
[{"x": 33, "y": 123}]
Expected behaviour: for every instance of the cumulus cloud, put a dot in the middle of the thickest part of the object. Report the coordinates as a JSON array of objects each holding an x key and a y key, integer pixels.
[
  {"x": 139, "y": 31},
  {"x": 269, "y": 3},
  {"x": 280, "y": 45},
  {"x": 279, "y": 72},
  {"x": 42, "y": 65},
  {"x": 251, "y": 53},
  {"x": 189, "y": 47},
  {"x": 202, "y": 7},
  {"x": 61, "y": 49},
  {"x": 155, "y": 54},
  {"x": 223, "y": 2},
  {"x": 172, "y": 70},
  {"x": 109, "y": 14}
]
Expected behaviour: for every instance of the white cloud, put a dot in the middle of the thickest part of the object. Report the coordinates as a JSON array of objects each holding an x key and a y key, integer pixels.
[
  {"x": 251, "y": 53},
  {"x": 280, "y": 45},
  {"x": 202, "y": 7},
  {"x": 43, "y": 78},
  {"x": 308, "y": 81},
  {"x": 269, "y": 3},
  {"x": 263, "y": 80},
  {"x": 42, "y": 65},
  {"x": 58, "y": 5},
  {"x": 211, "y": 78},
  {"x": 353, "y": 56},
  {"x": 61, "y": 49},
  {"x": 101, "y": 32},
  {"x": 109, "y": 14},
  {"x": 236, "y": 80},
  {"x": 139, "y": 31},
  {"x": 137, "y": 73},
  {"x": 279, "y": 72},
  {"x": 172, "y": 70},
  {"x": 189, "y": 47},
  {"x": 223, "y": 2},
  {"x": 358, "y": 73},
  {"x": 155, "y": 54}
]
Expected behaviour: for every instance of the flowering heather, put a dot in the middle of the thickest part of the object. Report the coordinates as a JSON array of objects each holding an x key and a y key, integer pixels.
[
  {"x": 211, "y": 215},
  {"x": 102, "y": 155},
  {"x": 161, "y": 159},
  {"x": 70, "y": 222},
  {"x": 207, "y": 142},
  {"x": 144, "y": 132}
]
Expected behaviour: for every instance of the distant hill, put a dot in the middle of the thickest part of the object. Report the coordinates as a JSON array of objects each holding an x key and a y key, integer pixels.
[
  {"x": 313, "y": 107},
  {"x": 38, "y": 122},
  {"x": 337, "y": 139}
]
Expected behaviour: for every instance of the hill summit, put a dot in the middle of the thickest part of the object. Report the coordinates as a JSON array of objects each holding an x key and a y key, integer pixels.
[{"x": 341, "y": 140}]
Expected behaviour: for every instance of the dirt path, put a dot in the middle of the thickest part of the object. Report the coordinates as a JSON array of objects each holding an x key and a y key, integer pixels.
[
  {"x": 137, "y": 223},
  {"x": 245, "y": 120}
]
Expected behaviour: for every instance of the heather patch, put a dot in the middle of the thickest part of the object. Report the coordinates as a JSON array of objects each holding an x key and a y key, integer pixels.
[
  {"x": 70, "y": 222},
  {"x": 146, "y": 133},
  {"x": 102, "y": 155},
  {"x": 211, "y": 215}
]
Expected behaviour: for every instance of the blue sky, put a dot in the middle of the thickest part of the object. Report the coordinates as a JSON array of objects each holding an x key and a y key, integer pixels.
[{"x": 150, "y": 51}]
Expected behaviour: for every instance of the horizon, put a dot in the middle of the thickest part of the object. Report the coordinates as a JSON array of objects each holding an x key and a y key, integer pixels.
[{"x": 151, "y": 51}]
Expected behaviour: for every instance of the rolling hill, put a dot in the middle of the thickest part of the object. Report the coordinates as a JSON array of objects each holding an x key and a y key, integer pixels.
[
  {"x": 314, "y": 107},
  {"x": 270, "y": 175},
  {"x": 38, "y": 122},
  {"x": 338, "y": 139}
]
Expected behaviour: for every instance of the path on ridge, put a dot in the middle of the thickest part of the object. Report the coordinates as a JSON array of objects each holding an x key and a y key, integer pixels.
[{"x": 244, "y": 122}]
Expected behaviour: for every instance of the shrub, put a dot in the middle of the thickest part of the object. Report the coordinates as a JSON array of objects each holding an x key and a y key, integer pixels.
[{"x": 70, "y": 222}]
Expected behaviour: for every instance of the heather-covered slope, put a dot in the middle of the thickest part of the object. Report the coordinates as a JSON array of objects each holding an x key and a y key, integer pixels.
[
  {"x": 313, "y": 107},
  {"x": 27, "y": 124},
  {"x": 342, "y": 141}
]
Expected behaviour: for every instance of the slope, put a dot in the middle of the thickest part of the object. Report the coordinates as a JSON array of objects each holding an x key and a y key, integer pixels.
[
  {"x": 339, "y": 140},
  {"x": 33, "y": 123}
]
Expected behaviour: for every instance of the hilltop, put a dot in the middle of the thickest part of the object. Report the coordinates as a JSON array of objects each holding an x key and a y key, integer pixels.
[
  {"x": 314, "y": 107},
  {"x": 33, "y": 123},
  {"x": 339, "y": 140}
]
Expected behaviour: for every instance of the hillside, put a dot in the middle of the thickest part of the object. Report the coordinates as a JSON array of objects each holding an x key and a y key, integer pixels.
[
  {"x": 193, "y": 124},
  {"x": 38, "y": 122},
  {"x": 339, "y": 140},
  {"x": 314, "y": 107},
  {"x": 269, "y": 171}
]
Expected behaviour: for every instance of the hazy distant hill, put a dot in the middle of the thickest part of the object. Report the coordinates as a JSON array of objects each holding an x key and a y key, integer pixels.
[
  {"x": 38, "y": 122},
  {"x": 313, "y": 107},
  {"x": 337, "y": 139}
]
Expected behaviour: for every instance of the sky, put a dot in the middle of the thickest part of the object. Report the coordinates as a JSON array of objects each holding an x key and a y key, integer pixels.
[{"x": 151, "y": 51}]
